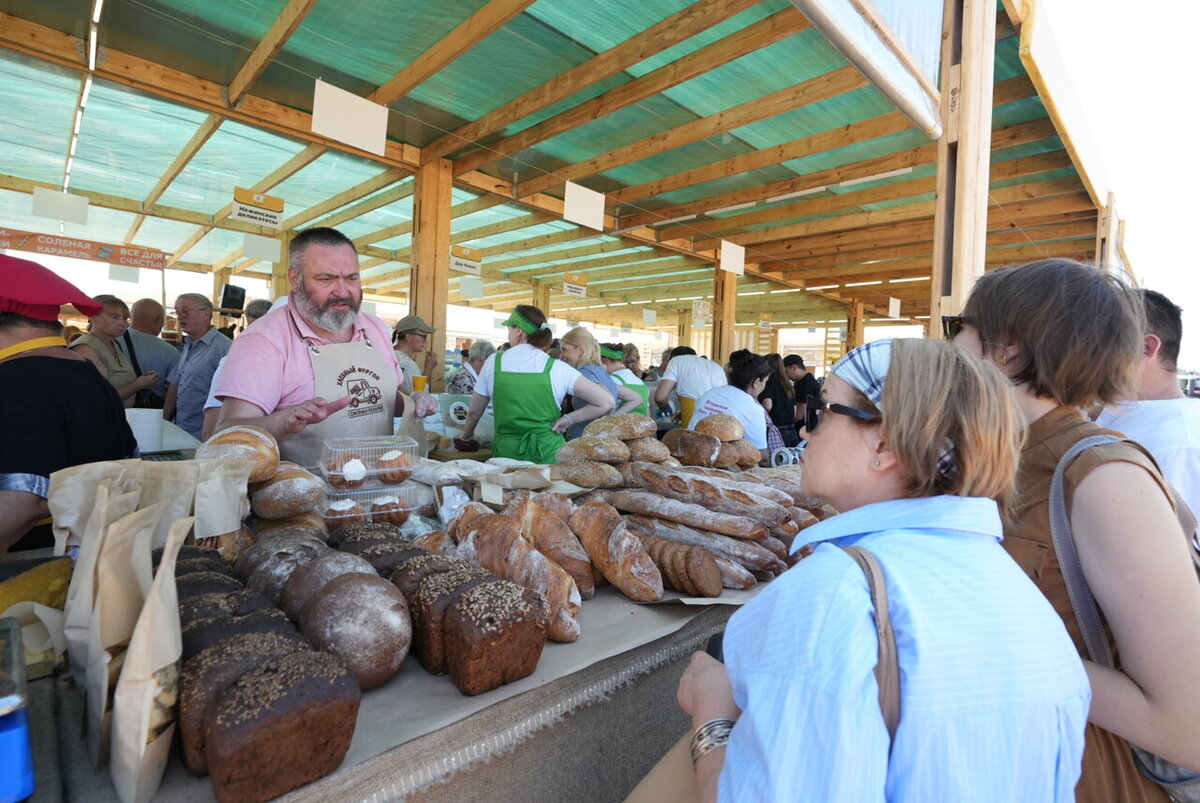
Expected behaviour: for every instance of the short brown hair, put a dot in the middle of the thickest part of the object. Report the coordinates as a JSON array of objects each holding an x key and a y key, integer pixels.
[
  {"x": 542, "y": 338},
  {"x": 1078, "y": 331},
  {"x": 937, "y": 398}
]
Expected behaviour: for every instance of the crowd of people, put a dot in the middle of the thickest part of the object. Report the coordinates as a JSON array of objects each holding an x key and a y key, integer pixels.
[{"x": 957, "y": 466}]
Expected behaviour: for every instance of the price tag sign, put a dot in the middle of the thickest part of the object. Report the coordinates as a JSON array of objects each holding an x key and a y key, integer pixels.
[
  {"x": 701, "y": 309},
  {"x": 574, "y": 285},
  {"x": 254, "y": 207},
  {"x": 466, "y": 260}
]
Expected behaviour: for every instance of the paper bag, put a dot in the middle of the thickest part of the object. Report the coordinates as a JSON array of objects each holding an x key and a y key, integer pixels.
[
  {"x": 123, "y": 578},
  {"x": 81, "y": 593},
  {"x": 173, "y": 484},
  {"x": 411, "y": 426},
  {"x": 220, "y": 489},
  {"x": 143, "y": 709},
  {"x": 41, "y": 632},
  {"x": 73, "y": 495}
]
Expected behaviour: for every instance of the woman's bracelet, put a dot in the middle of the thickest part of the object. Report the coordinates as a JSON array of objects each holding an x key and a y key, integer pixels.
[{"x": 710, "y": 736}]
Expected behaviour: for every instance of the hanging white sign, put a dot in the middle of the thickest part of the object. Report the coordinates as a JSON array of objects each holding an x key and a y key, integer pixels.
[{"x": 466, "y": 260}]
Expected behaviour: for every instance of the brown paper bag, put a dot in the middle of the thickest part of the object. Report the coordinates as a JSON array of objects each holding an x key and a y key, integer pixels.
[
  {"x": 411, "y": 426},
  {"x": 171, "y": 483},
  {"x": 143, "y": 708},
  {"x": 123, "y": 578},
  {"x": 220, "y": 489},
  {"x": 81, "y": 593},
  {"x": 72, "y": 498}
]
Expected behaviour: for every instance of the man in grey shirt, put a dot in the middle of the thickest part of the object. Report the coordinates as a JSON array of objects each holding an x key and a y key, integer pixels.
[
  {"x": 192, "y": 376},
  {"x": 151, "y": 352}
]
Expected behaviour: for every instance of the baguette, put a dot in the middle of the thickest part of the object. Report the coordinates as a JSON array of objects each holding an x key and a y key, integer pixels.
[
  {"x": 549, "y": 534},
  {"x": 590, "y": 474},
  {"x": 744, "y": 553},
  {"x": 625, "y": 426},
  {"x": 733, "y": 575},
  {"x": 496, "y": 544},
  {"x": 591, "y": 447},
  {"x": 687, "y": 513},
  {"x": 726, "y": 498},
  {"x": 692, "y": 448},
  {"x": 618, "y": 554}
]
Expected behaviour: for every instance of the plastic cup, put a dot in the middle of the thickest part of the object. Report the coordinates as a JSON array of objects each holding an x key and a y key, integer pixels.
[
  {"x": 686, "y": 408},
  {"x": 419, "y": 383},
  {"x": 147, "y": 426}
]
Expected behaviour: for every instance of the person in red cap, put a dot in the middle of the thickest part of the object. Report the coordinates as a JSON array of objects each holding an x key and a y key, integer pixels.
[{"x": 57, "y": 410}]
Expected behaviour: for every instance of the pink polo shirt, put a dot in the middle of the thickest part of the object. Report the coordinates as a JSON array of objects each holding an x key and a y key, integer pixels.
[{"x": 269, "y": 365}]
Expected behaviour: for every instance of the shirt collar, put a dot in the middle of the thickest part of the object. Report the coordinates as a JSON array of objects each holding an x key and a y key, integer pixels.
[
  {"x": 972, "y": 515},
  {"x": 206, "y": 338}
]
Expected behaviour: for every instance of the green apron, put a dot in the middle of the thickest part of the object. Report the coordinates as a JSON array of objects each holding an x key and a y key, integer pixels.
[
  {"x": 642, "y": 390},
  {"x": 525, "y": 409}
]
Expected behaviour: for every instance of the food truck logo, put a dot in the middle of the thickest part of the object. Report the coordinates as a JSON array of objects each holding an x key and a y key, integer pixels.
[{"x": 365, "y": 397}]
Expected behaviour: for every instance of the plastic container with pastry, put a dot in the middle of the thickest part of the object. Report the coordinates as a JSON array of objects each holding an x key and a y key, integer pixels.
[
  {"x": 349, "y": 463},
  {"x": 373, "y": 502}
]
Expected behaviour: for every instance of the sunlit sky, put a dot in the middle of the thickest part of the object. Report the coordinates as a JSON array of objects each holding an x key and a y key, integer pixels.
[{"x": 1134, "y": 67}]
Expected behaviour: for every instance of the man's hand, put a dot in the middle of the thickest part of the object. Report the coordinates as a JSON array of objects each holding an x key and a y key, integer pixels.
[
  {"x": 313, "y": 411},
  {"x": 424, "y": 404}
]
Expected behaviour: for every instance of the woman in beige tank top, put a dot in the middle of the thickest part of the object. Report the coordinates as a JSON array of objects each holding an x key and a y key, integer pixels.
[
  {"x": 100, "y": 346},
  {"x": 1069, "y": 337}
]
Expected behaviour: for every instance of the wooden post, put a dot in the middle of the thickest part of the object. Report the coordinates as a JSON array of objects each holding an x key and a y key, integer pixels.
[
  {"x": 541, "y": 297},
  {"x": 855, "y": 318},
  {"x": 220, "y": 278},
  {"x": 280, "y": 286},
  {"x": 683, "y": 328},
  {"x": 430, "y": 274},
  {"x": 964, "y": 154},
  {"x": 1108, "y": 236},
  {"x": 724, "y": 315}
]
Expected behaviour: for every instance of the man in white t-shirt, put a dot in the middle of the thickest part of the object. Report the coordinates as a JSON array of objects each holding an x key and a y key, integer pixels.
[
  {"x": 688, "y": 375},
  {"x": 1163, "y": 419}
]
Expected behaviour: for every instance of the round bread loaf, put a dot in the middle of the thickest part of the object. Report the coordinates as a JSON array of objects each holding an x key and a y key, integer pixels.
[
  {"x": 312, "y": 577},
  {"x": 255, "y": 555},
  {"x": 723, "y": 427},
  {"x": 748, "y": 454},
  {"x": 591, "y": 447},
  {"x": 692, "y": 448},
  {"x": 364, "y": 620},
  {"x": 590, "y": 474},
  {"x": 224, "y": 603},
  {"x": 309, "y": 518},
  {"x": 290, "y": 492},
  {"x": 729, "y": 455},
  {"x": 648, "y": 450},
  {"x": 270, "y": 575},
  {"x": 625, "y": 426},
  {"x": 244, "y": 443},
  {"x": 340, "y": 534}
]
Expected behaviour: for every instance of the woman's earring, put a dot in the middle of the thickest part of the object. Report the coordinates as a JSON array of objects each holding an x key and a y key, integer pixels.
[
  {"x": 1004, "y": 359},
  {"x": 876, "y": 464}
]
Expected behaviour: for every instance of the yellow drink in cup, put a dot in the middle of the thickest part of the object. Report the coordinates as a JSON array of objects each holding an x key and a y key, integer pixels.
[
  {"x": 686, "y": 408},
  {"x": 418, "y": 383}
]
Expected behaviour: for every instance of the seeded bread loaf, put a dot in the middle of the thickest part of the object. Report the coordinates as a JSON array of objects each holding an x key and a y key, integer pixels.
[
  {"x": 340, "y": 534},
  {"x": 222, "y": 603},
  {"x": 407, "y": 576},
  {"x": 280, "y": 726},
  {"x": 428, "y": 606},
  {"x": 363, "y": 619},
  {"x": 494, "y": 634},
  {"x": 208, "y": 563},
  {"x": 197, "y": 583},
  {"x": 204, "y": 633}
]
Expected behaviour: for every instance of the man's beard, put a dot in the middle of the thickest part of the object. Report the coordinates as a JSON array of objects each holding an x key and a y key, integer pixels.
[{"x": 322, "y": 316}]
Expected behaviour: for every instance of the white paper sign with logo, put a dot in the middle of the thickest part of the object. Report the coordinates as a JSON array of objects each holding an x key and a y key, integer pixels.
[
  {"x": 466, "y": 260},
  {"x": 574, "y": 285},
  {"x": 254, "y": 207}
]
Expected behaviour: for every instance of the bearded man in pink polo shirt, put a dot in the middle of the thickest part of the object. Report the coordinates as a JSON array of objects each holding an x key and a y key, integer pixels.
[{"x": 316, "y": 368}]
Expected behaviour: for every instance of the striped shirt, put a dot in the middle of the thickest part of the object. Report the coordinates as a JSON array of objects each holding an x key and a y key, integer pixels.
[{"x": 994, "y": 698}]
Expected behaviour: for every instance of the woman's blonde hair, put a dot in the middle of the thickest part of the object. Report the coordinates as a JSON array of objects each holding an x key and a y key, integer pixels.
[
  {"x": 583, "y": 338},
  {"x": 951, "y": 420}
]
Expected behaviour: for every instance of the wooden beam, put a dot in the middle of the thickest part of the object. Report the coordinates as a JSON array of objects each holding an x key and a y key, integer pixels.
[
  {"x": 470, "y": 32},
  {"x": 838, "y": 82},
  {"x": 268, "y": 47},
  {"x": 774, "y": 28},
  {"x": 540, "y": 297},
  {"x": 855, "y": 319},
  {"x": 641, "y": 261},
  {"x": 431, "y": 255},
  {"x": 193, "y": 146},
  {"x": 658, "y": 37},
  {"x": 355, "y": 193}
]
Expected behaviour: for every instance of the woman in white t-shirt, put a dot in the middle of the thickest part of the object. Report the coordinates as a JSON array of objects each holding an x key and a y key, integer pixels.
[
  {"x": 747, "y": 378},
  {"x": 528, "y": 388}
]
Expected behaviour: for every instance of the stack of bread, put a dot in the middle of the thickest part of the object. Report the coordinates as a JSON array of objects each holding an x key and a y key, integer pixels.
[{"x": 718, "y": 441}]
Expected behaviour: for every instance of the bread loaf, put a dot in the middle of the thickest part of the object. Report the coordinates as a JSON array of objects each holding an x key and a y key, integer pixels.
[
  {"x": 494, "y": 634},
  {"x": 733, "y": 575},
  {"x": 312, "y": 577},
  {"x": 230, "y": 545},
  {"x": 625, "y": 426},
  {"x": 353, "y": 528},
  {"x": 692, "y": 448},
  {"x": 407, "y": 576},
  {"x": 466, "y": 517},
  {"x": 193, "y": 585},
  {"x": 308, "y": 523},
  {"x": 728, "y": 455},
  {"x": 289, "y": 492},
  {"x": 650, "y": 450},
  {"x": 590, "y": 474},
  {"x": 244, "y": 443},
  {"x": 266, "y": 549},
  {"x": 362, "y": 619},
  {"x": 744, "y": 553},
  {"x": 690, "y": 514},
  {"x": 208, "y": 563},
  {"x": 598, "y": 495},
  {"x": 733, "y": 481},
  {"x": 201, "y": 634},
  {"x": 556, "y": 503},
  {"x": 748, "y": 454},
  {"x": 723, "y": 427},
  {"x": 690, "y": 569},
  {"x": 435, "y": 541},
  {"x": 429, "y": 604},
  {"x": 550, "y": 535},
  {"x": 591, "y": 447},
  {"x": 384, "y": 558},
  {"x": 280, "y": 726},
  {"x": 618, "y": 554},
  {"x": 726, "y": 497},
  {"x": 222, "y": 603}
]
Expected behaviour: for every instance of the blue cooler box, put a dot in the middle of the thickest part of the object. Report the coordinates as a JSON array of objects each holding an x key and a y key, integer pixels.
[{"x": 16, "y": 759}]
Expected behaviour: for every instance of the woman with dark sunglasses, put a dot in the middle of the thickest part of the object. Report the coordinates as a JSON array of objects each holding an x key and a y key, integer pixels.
[
  {"x": 1069, "y": 337},
  {"x": 916, "y": 444}
]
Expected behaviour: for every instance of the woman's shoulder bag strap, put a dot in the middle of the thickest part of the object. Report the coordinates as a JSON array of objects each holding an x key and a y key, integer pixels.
[{"x": 887, "y": 669}]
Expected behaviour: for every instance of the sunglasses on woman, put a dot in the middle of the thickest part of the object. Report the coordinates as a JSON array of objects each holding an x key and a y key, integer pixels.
[
  {"x": 953, "y": 324},
  {"x": 815, "y": 405}
]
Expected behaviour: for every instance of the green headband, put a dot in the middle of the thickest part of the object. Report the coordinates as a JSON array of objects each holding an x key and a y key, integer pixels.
[
  {"x": 521, "y": 322},
  {"x": 611, "y": 354}
]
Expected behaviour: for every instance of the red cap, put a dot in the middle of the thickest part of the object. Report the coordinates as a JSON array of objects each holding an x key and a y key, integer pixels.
[{"x": 29, "y": 289}]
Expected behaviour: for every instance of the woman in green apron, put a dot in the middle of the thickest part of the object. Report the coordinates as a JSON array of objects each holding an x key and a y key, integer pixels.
[
  {"x": 528, "y": 388},
  {"x": 612, "y": 355}
]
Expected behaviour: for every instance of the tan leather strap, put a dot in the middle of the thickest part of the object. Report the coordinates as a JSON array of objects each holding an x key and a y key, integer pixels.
[{"x": 887, "y": 669}]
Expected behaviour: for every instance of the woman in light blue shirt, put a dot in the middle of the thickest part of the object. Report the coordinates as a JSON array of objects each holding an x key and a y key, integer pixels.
[{"x": 916, "y": 444}]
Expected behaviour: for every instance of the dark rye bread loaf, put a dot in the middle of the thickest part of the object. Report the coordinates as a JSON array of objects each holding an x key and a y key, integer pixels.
[
  {"x": 270, "y": 575},
  {"x": 409, "y": 574},
  {"x": 340, "y": 534},
  {"x": 494, "y": 634},
  {"x": 250, "y": 560},
  {"x": 363, "y": 619},
  {"x": 355, "y": 544},
  {"x": 208, "y": 563},
  {"x": 204, "y": 633},
  {"x": 197, "y": 583},
  {"x": 211, "y": 672},
  {"x": 386, "y": 557},
  {"x": 428, "y": 606},
  {"x": 186, "y": 552},
  {"x": 224, "y": 603},
  {"x": 284, "y": 724},
  {"x": 312, "y": 576}
]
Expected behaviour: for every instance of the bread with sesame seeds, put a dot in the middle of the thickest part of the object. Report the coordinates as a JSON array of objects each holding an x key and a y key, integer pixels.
[{"x": 494, "y": 634}]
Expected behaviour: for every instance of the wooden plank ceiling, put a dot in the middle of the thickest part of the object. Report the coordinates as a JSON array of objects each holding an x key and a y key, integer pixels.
[{"x": 815, "y": 242}]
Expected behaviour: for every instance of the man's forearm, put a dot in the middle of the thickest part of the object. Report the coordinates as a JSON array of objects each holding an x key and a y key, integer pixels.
[{"x": 22, "y": 511}]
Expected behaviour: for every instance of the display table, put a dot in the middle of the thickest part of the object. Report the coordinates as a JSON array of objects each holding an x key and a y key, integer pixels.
[{"x": 591, "y": 733}]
